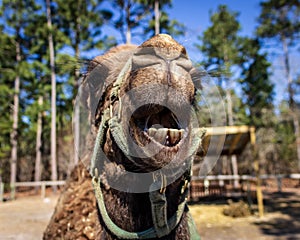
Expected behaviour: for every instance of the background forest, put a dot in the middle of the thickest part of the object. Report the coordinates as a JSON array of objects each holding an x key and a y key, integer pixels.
[{"x": 45, "y": 47}]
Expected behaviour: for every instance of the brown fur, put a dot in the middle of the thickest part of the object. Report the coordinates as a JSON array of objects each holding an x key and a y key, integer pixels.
[{"x": 75, "y": 214}]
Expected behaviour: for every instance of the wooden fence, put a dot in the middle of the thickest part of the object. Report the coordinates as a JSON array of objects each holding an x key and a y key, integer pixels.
[
  {"x": 201, "y": 186},
  {"x": 39, "y": 184},
  {"x": 221, "y": 185}
]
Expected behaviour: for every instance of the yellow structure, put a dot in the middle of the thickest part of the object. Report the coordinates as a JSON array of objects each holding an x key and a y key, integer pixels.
[{"x": 230, "y": 140}]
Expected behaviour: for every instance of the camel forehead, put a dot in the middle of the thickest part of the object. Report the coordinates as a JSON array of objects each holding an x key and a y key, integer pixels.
[
  {"x": 166, "y": 43},
  {"x": 161, "y": 45},
  {"x": 161, "y": 60}
]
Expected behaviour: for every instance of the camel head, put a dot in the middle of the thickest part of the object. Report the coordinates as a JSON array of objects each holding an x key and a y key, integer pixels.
[{"x": 142, "y": 100}]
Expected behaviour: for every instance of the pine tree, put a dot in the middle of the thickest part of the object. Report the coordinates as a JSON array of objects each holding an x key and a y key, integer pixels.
[
  {"x": 220, "y": 46},
  {"x": 285, "y": 140},
  {"x": 258, "y": 91},
  {"x": 7, "y": 60},
  {"x": 131, "y": 16},
  {"x": 143, "y": 17},
  {"x": 38, "y": 88},
  {"x": 279, "y": 20},
  {"x": 160, "y": 21},
  {"x": 53, "y": 94},
  {"x": 13, "y": 14},
  {"x": 81, "y": 23}
]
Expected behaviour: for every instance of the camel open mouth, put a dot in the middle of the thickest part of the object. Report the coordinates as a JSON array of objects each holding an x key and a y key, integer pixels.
[{"x": 159, "y": 124}]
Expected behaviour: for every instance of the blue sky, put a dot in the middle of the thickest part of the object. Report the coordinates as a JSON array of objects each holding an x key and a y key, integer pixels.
[{"x": 195, "y": 15}]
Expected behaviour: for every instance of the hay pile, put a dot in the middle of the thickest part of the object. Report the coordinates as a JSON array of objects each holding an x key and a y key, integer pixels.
[
  {"x": 237, "y": 209},
  {"x": 75, "y": 215}
]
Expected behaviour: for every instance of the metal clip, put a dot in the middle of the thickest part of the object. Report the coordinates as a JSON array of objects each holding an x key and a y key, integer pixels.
[
  {"x": 96, "y": 173},
  {"x": 184, "y": 186},
  {"x": 163, "y": 184},
  {"x": 162, "y": 179}
]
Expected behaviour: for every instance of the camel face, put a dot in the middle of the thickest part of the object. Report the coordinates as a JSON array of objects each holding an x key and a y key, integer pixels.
[
  {"x": 141, "y": 101},
  {"x": 155, "y": 104}
]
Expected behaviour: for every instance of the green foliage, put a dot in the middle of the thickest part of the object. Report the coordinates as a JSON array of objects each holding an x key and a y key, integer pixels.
[
  {"x": 285, "y": 139},
  {"x": 134, "y": 15},
  {"x": 131, "y": 15},
  {"x": 279, "y": 18},
  {"x": 81, "y": 22},
  {"x": 221, "y": 46},
  {"x": 167, "y": 25},
  {"x": 76, "y": 25},
  {"x": 220, "y": 42},
  {"x": 258, "y": 91},
  {"x": 14, "y": 63},
  {"x": 279, "y": 21},
  {"x": 240, "y": 116},
  {"x": 78, "y": 29}
]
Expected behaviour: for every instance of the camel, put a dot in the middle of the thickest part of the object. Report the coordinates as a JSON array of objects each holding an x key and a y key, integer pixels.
[{"x": 144, "y": 135}]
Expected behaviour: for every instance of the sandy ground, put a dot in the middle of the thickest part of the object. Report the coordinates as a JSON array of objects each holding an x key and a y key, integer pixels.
[
  {"x": 26, "y": 218},
  {"x": 281, "y": 220},
  {"x": 213, "y": 225}
]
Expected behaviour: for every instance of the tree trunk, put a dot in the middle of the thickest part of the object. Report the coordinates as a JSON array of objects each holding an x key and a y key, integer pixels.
[
  {"x": 15, "y": 115},
  {"x": 53, "y": 97},
  {"x": 229, "y": 108},
  {"x": 235, "y": 170},
  {"x": 128, "y": 30},
  {"x": 234, "y": 163},
  {"x": 38, "y": 148},
  {"x": 157, "y": 17},
  {"x": 76, "y": 125},
  {"x": 296, "y": 131},
  {"x": 291, "y": 98}
]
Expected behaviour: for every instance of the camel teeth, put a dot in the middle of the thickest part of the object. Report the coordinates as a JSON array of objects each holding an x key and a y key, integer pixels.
[
  {"x": 166, "y": 136},
  {"x": 174, "y": 136},
  {"x": 161, "y": 134},
  {"x": 152, "y": 132},
  {"x": 181, "y": 133}
]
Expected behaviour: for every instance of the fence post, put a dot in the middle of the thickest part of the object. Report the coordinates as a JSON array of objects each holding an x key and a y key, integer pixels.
[
  {"x": 249, "y": 198},
  {"x": 1, "y": 191},
  {"x": 279, "y": 183},
  {"x": 43, "y": 190},
  {"x": 206, "y": 187},
  {"x": 259, "y": 194},
  {"x": 12, "y": 191}
]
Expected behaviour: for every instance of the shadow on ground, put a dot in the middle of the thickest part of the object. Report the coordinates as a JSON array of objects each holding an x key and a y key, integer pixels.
[{"x": 282, "y": 219}]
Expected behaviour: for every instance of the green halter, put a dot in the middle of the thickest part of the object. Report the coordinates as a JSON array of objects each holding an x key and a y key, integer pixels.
[{"x": 162, "y": 225}]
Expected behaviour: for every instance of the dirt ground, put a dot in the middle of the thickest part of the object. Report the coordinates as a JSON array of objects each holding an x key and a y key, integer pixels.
[
  {"x": 26, "y": 219},
  {"x": 281, "y": 219}
]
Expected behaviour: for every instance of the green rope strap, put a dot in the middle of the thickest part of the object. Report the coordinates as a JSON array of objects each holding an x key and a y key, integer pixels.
[
  {"x": 194, "y": 235},
  {"x": 99, "y": 142},
  {"x": 123, "y": 234}
]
